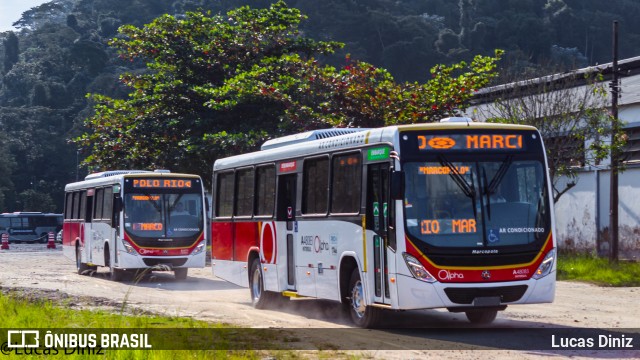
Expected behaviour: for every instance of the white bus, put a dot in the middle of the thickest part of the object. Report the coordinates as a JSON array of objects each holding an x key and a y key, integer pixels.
[
  {"x": 29, "y": 226},
  {"x": 454, "y": 215},
  {"x": 130, "y": 220}
]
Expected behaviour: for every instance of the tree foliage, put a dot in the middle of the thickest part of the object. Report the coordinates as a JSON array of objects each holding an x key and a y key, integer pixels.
[
  {"x": 570, "y": 110},
  {"x": 59, "y": 52},
  {"x": 219, "y": 85}
]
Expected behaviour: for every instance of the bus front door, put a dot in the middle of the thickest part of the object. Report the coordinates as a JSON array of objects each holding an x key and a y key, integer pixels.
[
  {"x": 286, "y": 212},
  {"x": 379, "y": 210}
]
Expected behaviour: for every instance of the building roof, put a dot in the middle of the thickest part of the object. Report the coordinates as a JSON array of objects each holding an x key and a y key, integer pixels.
[{"x": 626, "y": 68}]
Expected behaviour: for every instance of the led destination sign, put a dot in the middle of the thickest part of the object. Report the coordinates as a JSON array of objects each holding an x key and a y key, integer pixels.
[
  {"x": 162, "y": 183},
  {"x": 470, "y": 142},
  {"x": 147, "y": 226}
]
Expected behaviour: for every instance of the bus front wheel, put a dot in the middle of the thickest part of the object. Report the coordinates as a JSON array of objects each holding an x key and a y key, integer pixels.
[
  {"x": 115, "y": 274},
  {"x": 260, "y": 298},
  {"x": 481, "y": 317},
  {"x": 180, "y": 273},
  {"x": 361, "y": 314}
]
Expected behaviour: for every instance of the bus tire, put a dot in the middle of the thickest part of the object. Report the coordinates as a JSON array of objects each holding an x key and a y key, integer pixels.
[
  {"x": 481, "y": 317},
  {"x": 260, "y": 299},
  {"x": 180, "y": 273},
  {"x": 362, "y": 315},
  {"x": 115, "y": 274},
  {"x": 82, "y": 268}
]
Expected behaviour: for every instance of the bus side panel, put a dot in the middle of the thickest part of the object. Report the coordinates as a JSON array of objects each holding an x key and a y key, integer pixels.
[
  {"x": 71, "y": 232},
  {"x": 222, "y": 240},
  {"x": 246, "y": 237}
]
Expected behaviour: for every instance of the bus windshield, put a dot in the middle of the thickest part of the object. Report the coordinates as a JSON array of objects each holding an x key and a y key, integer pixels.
[
  {"x": 163, "y": 215},
  {"x": 494, "y": 202}
]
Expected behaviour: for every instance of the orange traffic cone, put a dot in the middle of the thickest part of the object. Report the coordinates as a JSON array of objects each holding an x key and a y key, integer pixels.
[
  {"x": 5, "y": 242},
  {"x": 51, "y": 244}
]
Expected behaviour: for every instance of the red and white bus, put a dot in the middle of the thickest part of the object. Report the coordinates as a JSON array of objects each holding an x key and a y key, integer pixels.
[
  {"x": 454, "y": 215},
  {"x": 130, "y": 220}
]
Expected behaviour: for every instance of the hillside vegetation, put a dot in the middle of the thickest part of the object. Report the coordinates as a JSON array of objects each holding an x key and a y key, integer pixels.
[{"x": 59, "y": 53}]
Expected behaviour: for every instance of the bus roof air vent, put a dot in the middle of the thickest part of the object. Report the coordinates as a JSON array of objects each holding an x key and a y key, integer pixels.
[
  {"x": 113, "y": 173},
  {"x": 456, "y": 119},
  {"x": 308, "y": 136}
]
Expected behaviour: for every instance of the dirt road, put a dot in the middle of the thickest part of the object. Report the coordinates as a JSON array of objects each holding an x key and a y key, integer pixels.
[{"x": 205, "y": 297}]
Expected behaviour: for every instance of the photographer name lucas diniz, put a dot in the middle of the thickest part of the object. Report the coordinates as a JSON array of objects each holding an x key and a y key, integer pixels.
[
  {"x": 599, "y": 342},
  {"x": 33, "y": 342}
]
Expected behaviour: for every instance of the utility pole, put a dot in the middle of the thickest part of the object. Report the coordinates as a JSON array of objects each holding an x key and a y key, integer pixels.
[{"x": 613, "y": 198}]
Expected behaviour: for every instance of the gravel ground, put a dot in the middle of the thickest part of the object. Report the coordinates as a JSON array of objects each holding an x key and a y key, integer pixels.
[{"x": 34, "y": 272}]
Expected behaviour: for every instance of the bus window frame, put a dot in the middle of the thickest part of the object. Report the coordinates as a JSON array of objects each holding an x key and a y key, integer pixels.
[
  {"x": 236, "y": 188},
  {"x": 332, "y": 177},
  {"x": 216, "y": 205},
  {"x": 303, "y": 190},
  {"x": 256, "y": 196}
]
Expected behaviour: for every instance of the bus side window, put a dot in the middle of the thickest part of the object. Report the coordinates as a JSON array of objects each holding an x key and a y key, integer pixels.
[
  {"x": 224, "y": 194},
  {"x": 107, "y": 205},
  {"x": 76, "y": 206}
]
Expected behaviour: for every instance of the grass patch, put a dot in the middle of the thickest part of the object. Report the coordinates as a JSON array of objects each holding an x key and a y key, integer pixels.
[
  {"x": 28, "y": 313},
  {"x": 588, "y": 268}
]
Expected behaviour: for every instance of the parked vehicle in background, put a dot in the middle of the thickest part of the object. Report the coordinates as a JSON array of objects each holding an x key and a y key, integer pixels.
[{"x": 29, "y": 226}]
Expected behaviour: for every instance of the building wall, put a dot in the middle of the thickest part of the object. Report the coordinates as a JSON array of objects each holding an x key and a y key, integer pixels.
[{"x": 582, "y": 214}]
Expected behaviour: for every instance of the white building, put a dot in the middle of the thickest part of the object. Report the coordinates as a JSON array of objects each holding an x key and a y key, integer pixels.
[{"x": 582, "y": 213}]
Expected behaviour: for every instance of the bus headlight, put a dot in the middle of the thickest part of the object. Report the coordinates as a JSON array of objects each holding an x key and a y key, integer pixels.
[
  {"x": 128, "y": 248},
  {"x": 198, "y": 248},
  {"x": 417, "y": 270},
  {"x": 545, "y": 267}
]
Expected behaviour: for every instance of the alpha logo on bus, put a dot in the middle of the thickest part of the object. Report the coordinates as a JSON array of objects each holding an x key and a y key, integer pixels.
[{"x": 162, "y": 183}]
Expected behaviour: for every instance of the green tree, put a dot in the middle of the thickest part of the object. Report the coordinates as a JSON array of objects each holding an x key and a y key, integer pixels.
[
  {"x": 32, "y": 200},
  {"x": 219, "y": 85},
  {"x": 11, "y": 51},
  {"x": 165, "y": 120}
]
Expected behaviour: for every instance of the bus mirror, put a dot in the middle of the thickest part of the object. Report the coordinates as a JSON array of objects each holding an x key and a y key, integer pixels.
[
  {"x": 397, "y": 185},
  {"x": 117, "y": 204}
]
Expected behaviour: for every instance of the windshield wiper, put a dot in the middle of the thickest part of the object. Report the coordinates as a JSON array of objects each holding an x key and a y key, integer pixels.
[
  {"x": 468, "y": 190},
  {"x": 487, "y": 192},
  {"x": 497, "y": 178}
]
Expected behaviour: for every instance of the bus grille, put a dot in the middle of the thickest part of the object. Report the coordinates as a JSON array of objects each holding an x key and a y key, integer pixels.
[
  {"x": 172, "y": 262},
  {"x": 466, "y": 295}
]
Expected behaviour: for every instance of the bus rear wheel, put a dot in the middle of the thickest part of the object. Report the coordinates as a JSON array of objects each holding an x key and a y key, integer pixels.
[
  {"x": 481, "y": 317},
  {"x": 362, "y": 315},
  {"x": 260, "y": 298},
  {"x": 80, "y": 266}
]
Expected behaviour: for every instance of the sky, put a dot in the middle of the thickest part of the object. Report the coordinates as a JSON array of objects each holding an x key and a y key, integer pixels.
[{"x": 11, "y": 10}]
